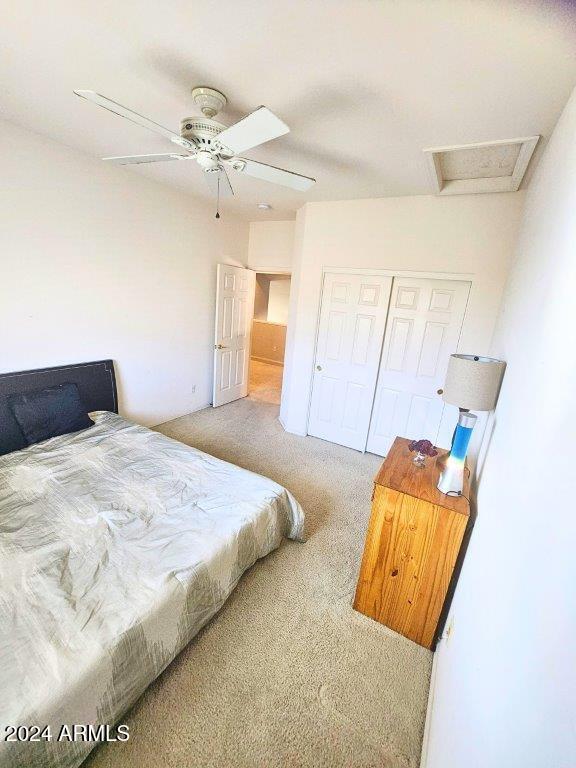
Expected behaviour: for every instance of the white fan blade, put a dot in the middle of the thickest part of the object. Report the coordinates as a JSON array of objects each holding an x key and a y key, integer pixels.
[
  {"x": 275, "y": 175},
  {"x": 118, "y": 109},
  {"x": 138, "y": 159},
  {"x": 213, "y": 178},
  {"x": 256, "y": 128}
]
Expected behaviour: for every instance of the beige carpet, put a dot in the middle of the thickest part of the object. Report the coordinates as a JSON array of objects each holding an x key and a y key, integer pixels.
[
  {"x": 287, "y": 674},
  {"x": 265, "y": 382}
]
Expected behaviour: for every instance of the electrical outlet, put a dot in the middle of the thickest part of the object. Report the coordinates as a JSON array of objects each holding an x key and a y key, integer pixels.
[{"x": 193, "y": 388}]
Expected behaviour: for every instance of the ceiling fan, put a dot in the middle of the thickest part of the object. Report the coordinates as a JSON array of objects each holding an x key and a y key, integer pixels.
[{"x": 211, "y": 144}]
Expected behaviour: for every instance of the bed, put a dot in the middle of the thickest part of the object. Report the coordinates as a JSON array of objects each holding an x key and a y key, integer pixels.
[{"x": 117, "y": 544}]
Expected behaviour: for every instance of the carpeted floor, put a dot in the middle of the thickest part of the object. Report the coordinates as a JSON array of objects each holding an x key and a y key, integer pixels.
[
  {"x": 265, "y": 382},
  {"x": 287, "y": 675}
]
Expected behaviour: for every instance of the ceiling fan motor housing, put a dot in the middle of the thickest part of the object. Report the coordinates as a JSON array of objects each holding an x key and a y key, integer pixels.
[{"x": 201, "y": 132}]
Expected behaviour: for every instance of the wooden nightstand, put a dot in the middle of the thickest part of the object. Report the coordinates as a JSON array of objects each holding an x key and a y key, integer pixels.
[{"x": 413, "y": 540}]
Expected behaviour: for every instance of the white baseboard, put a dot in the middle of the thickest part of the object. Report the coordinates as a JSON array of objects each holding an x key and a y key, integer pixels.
[
  {"x": 267, "y": 360},
  {"x": 194, "y": 410},
  {"x": 429, "y": 708},
  {"x": 291, "y": 431}
]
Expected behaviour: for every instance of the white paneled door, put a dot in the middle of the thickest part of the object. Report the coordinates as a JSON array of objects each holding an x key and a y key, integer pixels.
[
  {"x": 234, "y": 309},
  {"x": 350, "y": 333},
  {"x": 422, "y": 331}
]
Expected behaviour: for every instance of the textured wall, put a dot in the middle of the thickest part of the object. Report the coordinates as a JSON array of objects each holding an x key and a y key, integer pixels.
[
  {"x": 97, "y": 261},
  {"x": 471, "y": 234},
  {"x": 268, "y": 341},
  {"x": 505, "y": 692}
]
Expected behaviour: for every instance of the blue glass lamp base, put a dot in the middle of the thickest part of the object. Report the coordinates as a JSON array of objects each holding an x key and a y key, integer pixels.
[{"x": 452, "y": 478}]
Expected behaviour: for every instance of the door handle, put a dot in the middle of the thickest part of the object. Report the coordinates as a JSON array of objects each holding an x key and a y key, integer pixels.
[
  {"x": 318, "y": 367},
  {"x": 219, "y": 346}
]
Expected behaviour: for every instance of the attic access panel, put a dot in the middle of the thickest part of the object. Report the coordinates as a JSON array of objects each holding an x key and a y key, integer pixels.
[{"x": 490, "y": 166}]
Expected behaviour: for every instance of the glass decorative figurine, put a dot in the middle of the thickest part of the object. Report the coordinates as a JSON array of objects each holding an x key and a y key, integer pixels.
[{"x": 422, "y": 448}]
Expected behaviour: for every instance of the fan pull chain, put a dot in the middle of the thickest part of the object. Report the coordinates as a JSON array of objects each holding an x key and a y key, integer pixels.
[{"x": 218, "y": 198}]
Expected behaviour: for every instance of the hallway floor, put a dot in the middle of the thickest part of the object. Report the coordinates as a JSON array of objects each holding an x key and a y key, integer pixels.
[{"x": 265, "y": 382}]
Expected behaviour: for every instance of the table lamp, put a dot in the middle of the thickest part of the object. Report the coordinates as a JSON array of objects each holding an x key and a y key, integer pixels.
[{"x": 472, "y": 383}]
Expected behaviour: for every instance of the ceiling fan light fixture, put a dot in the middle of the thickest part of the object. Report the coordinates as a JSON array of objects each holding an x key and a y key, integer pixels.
[{"x": 207, "y": 160}]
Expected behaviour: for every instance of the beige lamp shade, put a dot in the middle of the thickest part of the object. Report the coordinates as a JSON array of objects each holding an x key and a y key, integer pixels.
[{"x": 473, "y": 382}]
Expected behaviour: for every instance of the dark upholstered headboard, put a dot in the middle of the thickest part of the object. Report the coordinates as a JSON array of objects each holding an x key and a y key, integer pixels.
[{"x": 96, "y": 383}]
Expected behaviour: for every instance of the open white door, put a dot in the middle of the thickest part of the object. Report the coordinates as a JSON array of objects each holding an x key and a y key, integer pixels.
[
  {"x": 234, "y": 310},
  {"x": 350, "y": 333},
  {"x": 423, "y": 328}
]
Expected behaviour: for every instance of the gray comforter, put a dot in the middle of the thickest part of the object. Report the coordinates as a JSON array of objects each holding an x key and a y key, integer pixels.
[{"x": 117, "y": 545}]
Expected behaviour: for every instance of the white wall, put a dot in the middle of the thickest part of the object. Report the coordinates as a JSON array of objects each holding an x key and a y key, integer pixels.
[
  {"x": 271, "y": 244},
  {"x": 261, "y": 296},
  {"x": 271, "y": 298},
  {"x": 505, "y": 692},
  {"x": 471, "y": 234},
  {"x": 278, "y": 301},
  {"x": 98, "y": 262}
]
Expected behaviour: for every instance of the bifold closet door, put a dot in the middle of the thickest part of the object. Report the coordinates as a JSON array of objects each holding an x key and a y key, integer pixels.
[
  {"x": 350, "y": 333},
  {"x": 422, "y": 331}
]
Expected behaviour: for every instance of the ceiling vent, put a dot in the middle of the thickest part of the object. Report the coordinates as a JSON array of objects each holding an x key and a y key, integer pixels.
[{"x": 490, "y": 166}]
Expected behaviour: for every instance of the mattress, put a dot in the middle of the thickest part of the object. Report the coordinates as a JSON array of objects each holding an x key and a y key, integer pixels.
[{"x": 117, "y": 544}]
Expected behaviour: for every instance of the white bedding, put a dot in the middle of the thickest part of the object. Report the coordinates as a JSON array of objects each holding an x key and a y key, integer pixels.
[{"x": 117, "y": 545}]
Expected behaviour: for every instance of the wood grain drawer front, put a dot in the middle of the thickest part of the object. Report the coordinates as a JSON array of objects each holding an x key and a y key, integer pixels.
[{"x": 410, "y": 553}]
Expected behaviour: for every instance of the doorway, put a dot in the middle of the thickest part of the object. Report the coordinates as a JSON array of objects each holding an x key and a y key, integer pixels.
[{"x": 271, "y": 301}]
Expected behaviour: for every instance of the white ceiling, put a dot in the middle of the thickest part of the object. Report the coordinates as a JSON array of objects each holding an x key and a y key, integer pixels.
[{"x": 363, "y": 84}]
